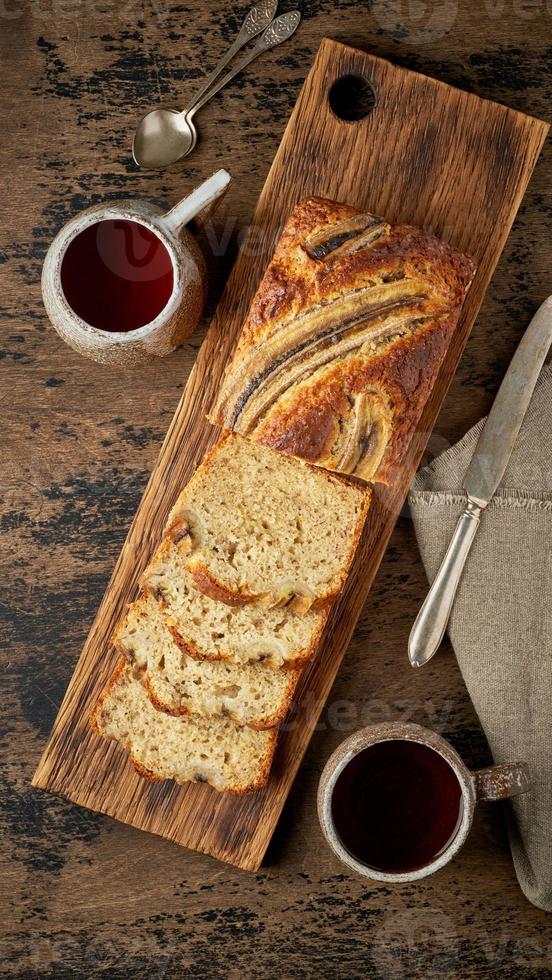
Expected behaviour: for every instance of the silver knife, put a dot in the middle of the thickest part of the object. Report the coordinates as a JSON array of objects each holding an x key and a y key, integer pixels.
[{"x": 484, "y": 474}]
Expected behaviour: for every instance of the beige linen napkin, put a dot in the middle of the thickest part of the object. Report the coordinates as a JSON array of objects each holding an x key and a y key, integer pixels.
[{"x": 501, "y": 624}]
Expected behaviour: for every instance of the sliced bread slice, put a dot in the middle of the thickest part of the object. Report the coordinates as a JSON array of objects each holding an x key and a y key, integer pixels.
[
  {"x": 259, "y": 526},
  {"x": 254, "y": 695},
  {"x": 187, "y": 749},
  {"x": 208, "y": 629}
]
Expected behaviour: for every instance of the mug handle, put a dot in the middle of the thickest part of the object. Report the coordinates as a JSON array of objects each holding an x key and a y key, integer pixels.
[
  {"x": 502, "y": 782},
  {"x": 205, "y": 195}
]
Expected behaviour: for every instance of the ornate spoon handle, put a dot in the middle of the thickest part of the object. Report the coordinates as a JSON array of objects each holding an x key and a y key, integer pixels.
[
  {"x": 255, "y": 21},
  {"x": 280, "y": 29}
]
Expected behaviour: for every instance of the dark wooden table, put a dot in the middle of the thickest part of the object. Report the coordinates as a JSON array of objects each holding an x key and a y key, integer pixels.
[{"x": 80, "y": 894}]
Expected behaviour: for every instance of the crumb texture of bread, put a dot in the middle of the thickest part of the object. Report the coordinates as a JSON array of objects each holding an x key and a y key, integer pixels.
[
  {"x": 258, "y": 526},
  {"x": 209, "y": 629},
  {"x": 344, "y": 339},
  {"x": 254, "y": 694},
  {"x": 187, "y": 749}
]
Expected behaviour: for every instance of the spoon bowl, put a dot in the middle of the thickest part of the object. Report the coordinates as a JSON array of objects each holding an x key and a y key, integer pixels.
[{"x": 162, "y": 137}]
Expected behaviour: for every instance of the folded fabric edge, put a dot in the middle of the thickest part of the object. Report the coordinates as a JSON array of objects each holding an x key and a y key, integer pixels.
[
  {"x": 502, "y": 499},
  {"x": 536, "y": 891}
]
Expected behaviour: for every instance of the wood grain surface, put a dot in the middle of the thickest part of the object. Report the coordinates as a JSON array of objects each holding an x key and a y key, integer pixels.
[
  {"x": 81, "y": 895},
  {"x": 428, "y": 155}
]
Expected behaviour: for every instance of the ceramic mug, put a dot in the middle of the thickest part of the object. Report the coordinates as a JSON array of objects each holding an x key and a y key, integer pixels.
[
  {"x": 184, "y": 274},
  {"x": 468, "y": 788}
]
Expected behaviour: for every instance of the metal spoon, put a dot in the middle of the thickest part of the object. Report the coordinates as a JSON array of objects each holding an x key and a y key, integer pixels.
[
  {"x": 164, "y": 136},
  {"x": 255, "y": 21}
]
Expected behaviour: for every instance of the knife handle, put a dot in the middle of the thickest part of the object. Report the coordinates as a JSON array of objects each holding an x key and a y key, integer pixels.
[{"x": 431, "y": 622}]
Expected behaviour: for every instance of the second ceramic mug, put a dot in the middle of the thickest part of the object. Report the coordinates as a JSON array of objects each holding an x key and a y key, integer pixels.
[
  {"x": 185, "y": 276},
  {"x": 344, "y": 803}
]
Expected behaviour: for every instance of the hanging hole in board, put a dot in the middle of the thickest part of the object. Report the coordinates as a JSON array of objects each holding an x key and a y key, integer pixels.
[{"x": 352, "y": 98}]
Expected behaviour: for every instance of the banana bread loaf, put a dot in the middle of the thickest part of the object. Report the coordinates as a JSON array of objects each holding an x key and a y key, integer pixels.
[
  {"x": 186, "y": 749},
  {"x": 344, "y": 339},
  {"x": 254, "y": 694},
  {"x": 208, "y": 629},
  {"x": 258, "y": 526}
]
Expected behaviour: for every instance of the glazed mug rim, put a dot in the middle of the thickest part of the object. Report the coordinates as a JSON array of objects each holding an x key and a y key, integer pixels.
[
  {"x": 104, "y": 212},
  {"x": 180, "y": 313},
  {"x": 395, "y": 731}
]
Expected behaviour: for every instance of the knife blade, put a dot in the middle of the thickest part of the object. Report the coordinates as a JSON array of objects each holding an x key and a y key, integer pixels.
[
  {"x": 501, "y": 429},
  {"x": 486, "y": 469}
]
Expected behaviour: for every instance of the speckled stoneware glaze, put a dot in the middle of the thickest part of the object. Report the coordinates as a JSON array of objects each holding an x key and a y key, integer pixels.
[
  {"x": 494, "y": 783},
  {"x": 178, "y": 319}
]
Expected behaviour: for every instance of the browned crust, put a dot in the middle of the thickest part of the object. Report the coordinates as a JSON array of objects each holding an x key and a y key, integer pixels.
[
  {"x": 207, "y": 460},
  {"x": 93, "y": 717},
  {"x": 210, "y": 586},
  {"x": 193, "y": 651},
  {"x": 288, "y": 287},
  {"x": 241, "y": 791},
  {"x": 145, "y": 773},
  {"x": 264, "y": 774},
  {"x": 292, "y": 664},
  {"x": 189, "y": 649},
  {"x": 229, "y": 436},
  {"x": 259, "y": 724},
  {"x": 266, "y": 766},
  {"x": 215, "y": 589},
  {"x": 404, "y": 374},
  {"x": 367, "y": 497},
  {"x": 150, "y": 776},
  {"x": 203, "y": 580}
]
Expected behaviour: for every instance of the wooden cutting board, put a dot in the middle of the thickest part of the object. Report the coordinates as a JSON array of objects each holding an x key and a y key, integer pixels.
[{"x": 429, "y": 155}]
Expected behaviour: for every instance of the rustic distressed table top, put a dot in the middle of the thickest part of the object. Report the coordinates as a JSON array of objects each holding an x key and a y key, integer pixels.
[{"x": 80, "y": 894}]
